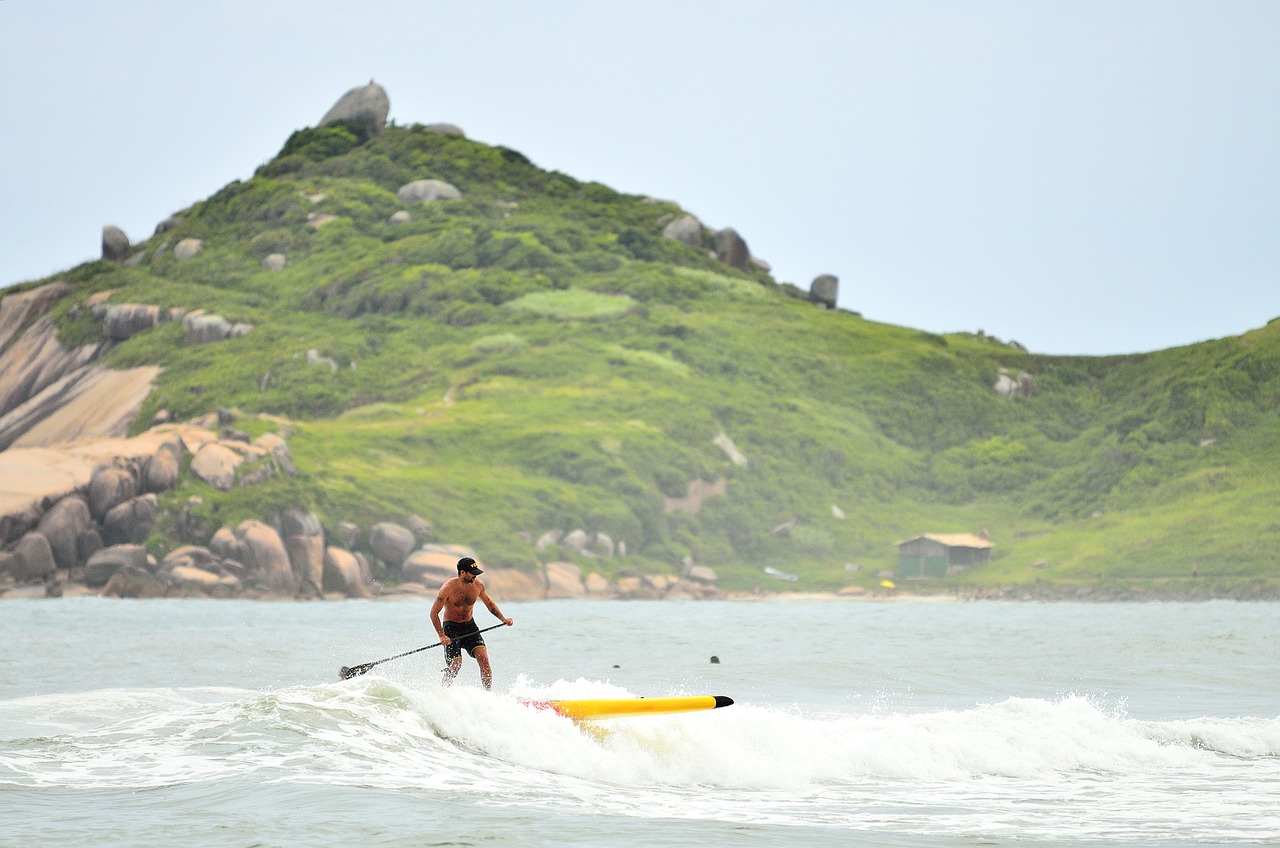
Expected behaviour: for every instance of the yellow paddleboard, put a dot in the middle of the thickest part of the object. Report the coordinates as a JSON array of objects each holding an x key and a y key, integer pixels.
[{"x": 596, "y": 708}]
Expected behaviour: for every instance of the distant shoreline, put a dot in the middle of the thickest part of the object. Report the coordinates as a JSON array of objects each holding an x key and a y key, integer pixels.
[{"x": 1041, "y": 594}]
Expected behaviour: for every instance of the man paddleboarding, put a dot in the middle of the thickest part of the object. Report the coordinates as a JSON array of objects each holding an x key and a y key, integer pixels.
[{"x": 459, "y": 632}]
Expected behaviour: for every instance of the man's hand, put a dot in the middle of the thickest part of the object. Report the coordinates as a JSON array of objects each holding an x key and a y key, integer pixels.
[
  {"x": 445, "y": 641},
  {"x": 508, "y": 621}
]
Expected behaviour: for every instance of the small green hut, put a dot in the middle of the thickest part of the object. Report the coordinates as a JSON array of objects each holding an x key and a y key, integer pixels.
[{"x": 940, "y": 554}]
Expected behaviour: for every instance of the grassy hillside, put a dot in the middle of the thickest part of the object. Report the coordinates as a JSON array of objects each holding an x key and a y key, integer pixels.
[{"x": 535, "y": 355}]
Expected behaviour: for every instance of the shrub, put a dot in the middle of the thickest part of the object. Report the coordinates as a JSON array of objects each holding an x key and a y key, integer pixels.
[{"x": 323, "y": 142}]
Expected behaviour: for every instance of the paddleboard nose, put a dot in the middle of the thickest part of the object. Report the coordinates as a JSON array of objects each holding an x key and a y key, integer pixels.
[{"x": 723, "y": 701}]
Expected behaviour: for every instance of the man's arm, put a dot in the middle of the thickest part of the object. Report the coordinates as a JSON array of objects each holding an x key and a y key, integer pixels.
[
  {"x": 493, "y": 608},
  {"x": 435, "y": 619}
]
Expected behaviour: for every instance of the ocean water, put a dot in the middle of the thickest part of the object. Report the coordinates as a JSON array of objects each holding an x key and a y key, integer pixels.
[{"x": 900, "y": 723}]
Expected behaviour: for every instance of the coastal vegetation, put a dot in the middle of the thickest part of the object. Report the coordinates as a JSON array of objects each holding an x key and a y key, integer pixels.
[{"x": 535, "y": 355}]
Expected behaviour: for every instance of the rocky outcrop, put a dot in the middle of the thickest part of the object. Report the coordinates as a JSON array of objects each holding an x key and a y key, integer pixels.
[
  {"x": 17, "y": 310},
  {"x": 365, "y": 106},
  {"x": 686, "y": 230},
  {"x": 93, "y": 402},
  {"x": 50, "y": 395},
  {"x": 32, "y": 480},
  {"x": 35, "y": 361},
  {"x": 1010, "y": 386},
  {"x": 200, "y": 327},
  {"x": 79, "y": 515},
  {"x": 421, "y": 191},
  {"x": 125, "y": 320}
]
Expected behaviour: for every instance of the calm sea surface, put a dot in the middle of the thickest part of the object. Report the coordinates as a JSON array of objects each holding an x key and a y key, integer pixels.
[{"x": 904, "y": 723}]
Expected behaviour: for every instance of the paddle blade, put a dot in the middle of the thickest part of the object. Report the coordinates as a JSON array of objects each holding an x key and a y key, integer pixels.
[{"x": 348, "y": 673}]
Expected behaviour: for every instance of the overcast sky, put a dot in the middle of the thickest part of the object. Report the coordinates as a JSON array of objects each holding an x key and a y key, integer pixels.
[{"x": 1080, "y": 177}]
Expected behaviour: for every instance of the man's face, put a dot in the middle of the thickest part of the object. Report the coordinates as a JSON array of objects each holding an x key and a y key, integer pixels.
[{"x": 467, "y": 576}]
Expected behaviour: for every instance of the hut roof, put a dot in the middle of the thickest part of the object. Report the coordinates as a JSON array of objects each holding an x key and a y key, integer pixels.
[{"x": 954, "y": 540}]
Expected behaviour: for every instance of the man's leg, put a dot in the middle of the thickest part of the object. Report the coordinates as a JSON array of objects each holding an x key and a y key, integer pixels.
[
  {"x": 451, "y": 671},
  {"x": 486, "y": 673}
]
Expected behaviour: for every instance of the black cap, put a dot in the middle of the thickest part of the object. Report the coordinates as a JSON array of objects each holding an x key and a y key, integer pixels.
[{"x": 468, "y": 565}]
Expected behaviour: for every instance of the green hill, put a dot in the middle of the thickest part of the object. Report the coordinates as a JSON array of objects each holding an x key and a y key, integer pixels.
[{"x": 535, "y": 356}]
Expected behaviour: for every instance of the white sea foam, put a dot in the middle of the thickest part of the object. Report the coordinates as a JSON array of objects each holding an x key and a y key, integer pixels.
[{"x": 916, "y": 750}]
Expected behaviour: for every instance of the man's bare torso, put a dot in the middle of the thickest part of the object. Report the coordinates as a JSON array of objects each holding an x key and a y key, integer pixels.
[{"x": 460, "y": 598}]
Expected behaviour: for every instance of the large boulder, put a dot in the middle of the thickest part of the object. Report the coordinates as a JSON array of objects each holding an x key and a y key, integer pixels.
[
  {"x": 508, "y": 584},
  {"x": 304, "y": 542},
  {"x": 342, "y": 573},
  {"x": 564, "y": 580},
  {"x": 202, "y": 328},
  {"x": 32, "y": 559},
  {"x": 198, "y": 581},
  {"x": 125, "y": 320},
  {"x": 432, "y": 565},
  {"x": 824, "y": 289},
  {"x": 391, "y": 543},
  {"x": 130, "y": 522},
  {"x": 1009, "y": 386},
  {"x": 62, "y": 526},
  {"x": 187, "y": 248},
  {"x": 115, "y": 244},
  {"x": 420, "y": 191},
  {"x": 267, "y": 558},
  {"x": 279, "y": 450},
  {"x": 194, "y": 524},
  {"x": 133, "y": 581},
  {"x": 160, "y": 473},
  {"x": 191, "y": 556},
  {"x": 225, "y": 545},
  {"x": 88, "y": 543},
  {"x": 597, "y": 585},
  {"x": 686, "y": 229},
  {"x": 216, "y": 465},
  {"x": 110, "y": 486},
  {"x": 731, "y": 249},
  {"x": 103, "y": 565},
  {"x": 366, "y": 106}
]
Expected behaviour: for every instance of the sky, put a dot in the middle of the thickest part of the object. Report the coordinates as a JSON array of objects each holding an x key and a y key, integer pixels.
[{"x": 1079, "y": 177}]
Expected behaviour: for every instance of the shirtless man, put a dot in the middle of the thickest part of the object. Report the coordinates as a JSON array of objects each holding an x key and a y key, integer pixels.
[{"x": 459, "y": 632}]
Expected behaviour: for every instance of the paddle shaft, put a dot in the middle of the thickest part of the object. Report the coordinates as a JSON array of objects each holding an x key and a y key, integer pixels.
[{"x": 348, "y": 673}]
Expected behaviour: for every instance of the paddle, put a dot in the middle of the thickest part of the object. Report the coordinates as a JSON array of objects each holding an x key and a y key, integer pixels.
[{"x": 348, "y": 673}]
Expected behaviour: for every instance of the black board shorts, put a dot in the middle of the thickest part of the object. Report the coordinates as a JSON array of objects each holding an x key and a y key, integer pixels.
[{"x": 465, "y": 636}]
